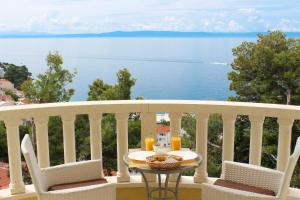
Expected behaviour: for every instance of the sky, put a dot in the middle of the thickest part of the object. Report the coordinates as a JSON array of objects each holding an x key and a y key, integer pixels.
[{"x": 97, "y": 16}]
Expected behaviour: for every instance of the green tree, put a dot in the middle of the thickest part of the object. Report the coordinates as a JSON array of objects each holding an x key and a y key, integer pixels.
[
  {"x": 49, "y": 87},
  {"x": 12, "y": 93},
  {"x": 188, "y": 123},
  {"x": 52, "y": 85},
  {"x": 16, "y": 74},
  {"x": 120, "y": 91},
  {"x": 266, "y": 71},
  {"x": 125, "y": 83},
  {"x": 3, "y": 142},
  {"x": 99, "y": 90}
]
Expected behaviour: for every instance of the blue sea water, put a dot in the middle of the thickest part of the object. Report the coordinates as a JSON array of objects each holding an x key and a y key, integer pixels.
[{"x": 165, "y": 68}]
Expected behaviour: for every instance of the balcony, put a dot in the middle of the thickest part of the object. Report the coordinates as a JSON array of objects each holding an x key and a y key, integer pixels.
[{"x": 126, "y": 184}]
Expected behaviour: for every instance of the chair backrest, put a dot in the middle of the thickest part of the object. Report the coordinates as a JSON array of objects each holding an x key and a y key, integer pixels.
[
  {"x": 288, "y": 172},
  {"x": 37, "y": 176}
]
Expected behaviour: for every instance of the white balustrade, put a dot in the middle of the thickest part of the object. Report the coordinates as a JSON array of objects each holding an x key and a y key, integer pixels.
[
  {"x": 122, "y": 146},
  {"x": 200, "y": 175},
  {"x": 69, "y": 137},
  {"x": 14, "y": 155},
  {"x": 284, "y": 142},
  {"x": 41, "y": 127},
  {"x": 256, "y": 132},
  {"x": 228, "y": 137},
  {"x": 148, "y": 109}
]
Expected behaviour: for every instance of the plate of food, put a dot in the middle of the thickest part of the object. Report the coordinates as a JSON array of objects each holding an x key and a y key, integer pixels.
[
  {"x": 164, "y": 161},
  {"x": 140, "y": 155},
  {"x": 186, "y": 155}
]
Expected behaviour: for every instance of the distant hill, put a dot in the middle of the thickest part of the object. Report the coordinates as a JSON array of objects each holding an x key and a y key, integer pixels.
[{"x": 137, "y": 34}]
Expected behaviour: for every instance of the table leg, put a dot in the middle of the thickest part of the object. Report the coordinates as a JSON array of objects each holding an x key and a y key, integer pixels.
[
  {"x": 159, "y": 186},
  {"x": 166, "y": 185},
  {"x": 147, "y": 185},
  {"x": 177, "y": 185}
]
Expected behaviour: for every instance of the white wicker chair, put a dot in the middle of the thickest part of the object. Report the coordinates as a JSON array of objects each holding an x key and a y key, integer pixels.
[
  {"x": 85, "y": 171},
  {"x": 252, "y": 175}
]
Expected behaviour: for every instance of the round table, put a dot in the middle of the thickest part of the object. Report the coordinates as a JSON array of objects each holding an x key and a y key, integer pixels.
[{"x": 162, "y": 193}]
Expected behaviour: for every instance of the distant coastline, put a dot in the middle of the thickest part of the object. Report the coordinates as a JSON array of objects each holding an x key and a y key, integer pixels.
[{"x": 142, "y": 34}]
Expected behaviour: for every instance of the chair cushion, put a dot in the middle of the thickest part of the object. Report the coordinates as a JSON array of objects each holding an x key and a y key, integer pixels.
[
  {"x": 243, "y": 187},
  {"x": 77, "y": 184}
]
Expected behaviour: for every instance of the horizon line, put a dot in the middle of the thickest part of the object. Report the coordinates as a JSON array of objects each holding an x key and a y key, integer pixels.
[{"x": 148, "y": 33}]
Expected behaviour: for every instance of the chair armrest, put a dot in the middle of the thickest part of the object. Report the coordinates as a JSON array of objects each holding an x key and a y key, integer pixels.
[
  {"x": 105, "y": 191},
  {"x": 253, "y": 175},
  {"x": 73, "y": 172},
  {"x": 214, "y": 192}
]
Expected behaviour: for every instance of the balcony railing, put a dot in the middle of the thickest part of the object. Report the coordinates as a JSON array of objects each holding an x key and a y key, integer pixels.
[{"x": 13, "y": 115}]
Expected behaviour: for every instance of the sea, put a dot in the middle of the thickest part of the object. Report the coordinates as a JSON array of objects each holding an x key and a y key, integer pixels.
[{"x": 164, "y": 68}]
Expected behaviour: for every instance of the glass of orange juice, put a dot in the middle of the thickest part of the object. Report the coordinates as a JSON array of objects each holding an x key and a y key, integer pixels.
[
  {"x": 176, "y": 143},
  {"x": 149, "y": 141}
]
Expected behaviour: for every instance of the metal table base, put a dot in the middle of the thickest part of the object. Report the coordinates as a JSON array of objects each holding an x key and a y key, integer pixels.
[{"x": 162, "y": 193}]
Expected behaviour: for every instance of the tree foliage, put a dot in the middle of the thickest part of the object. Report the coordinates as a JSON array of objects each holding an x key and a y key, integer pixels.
[
  {"x": 15, "y": 74},
  {"x": 13, "y": 94},
  {"x": 267, "y": 70},
  {"x": 99, "y": 90},
  {"x": 49, "y": 87},
  {"x": 120, "y": 91},
  {"x": 52, "y": 85}
]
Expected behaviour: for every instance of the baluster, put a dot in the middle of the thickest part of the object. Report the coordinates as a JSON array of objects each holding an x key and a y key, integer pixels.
[
  {"x": 175, "y": 120},
  {"x": 201, "y": 146},
  {"x": 95, "y": 135},
  {"x": 16, "y": 184},
  {"x": 69, "y": 137},
  {"x": 228, "y": 137},
  {"x": 41, "y": 125},
  {"x": 148, "y": 128},
  {"x": 256, "y": 132},
  {"x": 284, "y": 142},
  {"x": 122, "y": 146}
]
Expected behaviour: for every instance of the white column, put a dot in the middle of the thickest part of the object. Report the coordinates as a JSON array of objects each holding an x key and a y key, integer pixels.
[
  {"x": 175, "y": 123},
  {"x": 16, "y": 184},
  {"x": 41, "y": 125},
  {"x": 200, "y": 175},
  {"x": 69, "y": 137},
  {"x": 95, "y": 135},
  {"x": 122, "y": 146},
  {"x": 256, "y": 133},
  {"x": 175, "y": 120},
  {"x": 228, "y": 137},
  {"x": 148, "y": 126},
  {"x": 284, "y": 142}
]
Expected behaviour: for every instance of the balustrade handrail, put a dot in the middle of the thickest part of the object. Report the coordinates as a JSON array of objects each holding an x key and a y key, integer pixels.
[
  {"x": 114, "y": 106},
  {"x": 12, "y": 116}
]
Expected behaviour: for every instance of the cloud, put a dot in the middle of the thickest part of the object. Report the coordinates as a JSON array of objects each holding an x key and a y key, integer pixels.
[
  {"x": 2, "y": 26},
  {"x": 233, "y": 26},
  {"x": 288, "y": 25},
  {"x": 247, "y": 10},
  {"x": 94, "y": 16}
]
